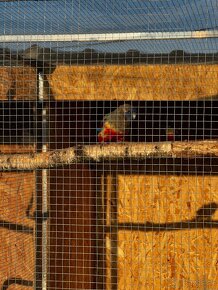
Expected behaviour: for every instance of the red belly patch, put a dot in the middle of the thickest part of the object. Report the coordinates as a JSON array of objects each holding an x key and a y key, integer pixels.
[{"x": 110, "y": 135}]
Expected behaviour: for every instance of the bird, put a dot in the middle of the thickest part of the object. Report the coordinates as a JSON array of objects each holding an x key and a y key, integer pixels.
[{"x": 116, "y": 124}]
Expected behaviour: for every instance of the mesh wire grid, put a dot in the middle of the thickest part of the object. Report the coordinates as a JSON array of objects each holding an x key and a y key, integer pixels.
[{"x": 112, "y": 218}]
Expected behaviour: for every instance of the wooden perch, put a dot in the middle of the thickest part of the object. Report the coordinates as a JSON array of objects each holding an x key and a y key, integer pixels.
[{"x": 108, "y": 152}]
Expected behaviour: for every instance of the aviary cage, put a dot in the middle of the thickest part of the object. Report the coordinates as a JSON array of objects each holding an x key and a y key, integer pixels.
[{"x": 135, "y": 214}]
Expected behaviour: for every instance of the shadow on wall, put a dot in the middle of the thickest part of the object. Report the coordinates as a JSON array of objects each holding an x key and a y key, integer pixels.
[{"x": 16, "y": 281}]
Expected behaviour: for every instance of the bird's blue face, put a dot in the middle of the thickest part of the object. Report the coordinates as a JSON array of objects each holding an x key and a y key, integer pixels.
[{"x": 131, "y": 114}]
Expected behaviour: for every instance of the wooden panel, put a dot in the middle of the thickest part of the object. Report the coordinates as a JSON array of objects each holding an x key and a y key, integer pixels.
[
  {"x": 134, "y": 82},
  {"x": 72, "y": 222},
  {"x": 18, "y": 83},
  {"x": 17, "y": 229},
  {"x": 12, "y": 149},
  {"x": 113, "y": 82},
  {"x": 146, "y": 256},
  {"x": 72, "y": 231}
]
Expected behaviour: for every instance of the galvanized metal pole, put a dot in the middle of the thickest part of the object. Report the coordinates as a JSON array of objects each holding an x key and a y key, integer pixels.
[
  {"x": 122, "y": 36},
  {"x": 44, "y": 184}
]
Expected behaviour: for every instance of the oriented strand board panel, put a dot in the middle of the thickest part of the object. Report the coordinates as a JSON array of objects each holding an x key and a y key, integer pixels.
[
  {"x": 17, "y": 248},
  {"x": 113, "y": 82},
  {"x": 18, "y": 83},
  {"x": 16, "y": 148},
  {"x": 134, "y": 82},
  {"x": 139, "y": 255}
]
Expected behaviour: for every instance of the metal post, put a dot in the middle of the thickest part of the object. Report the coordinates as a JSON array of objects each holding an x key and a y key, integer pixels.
[
  {"x": 44, "y": 184},
  {"x": 104, "y": 37}
]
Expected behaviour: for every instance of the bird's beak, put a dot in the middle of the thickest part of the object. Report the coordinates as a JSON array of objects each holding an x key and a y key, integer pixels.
[{"x": 134, "y": 115}]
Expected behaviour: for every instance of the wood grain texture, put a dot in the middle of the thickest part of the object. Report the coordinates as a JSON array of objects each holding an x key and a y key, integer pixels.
[
  {"x": 71, "y": 229},
  {"x": 72, "y": 207},
  {"x": 183, "y": 258},
  {"x": 16, "y": 229},
  {"x": 134, "y": 82},
  {"x": 113, "y": 82},
  {"x": 18, "y": 83},
  {"x": 16, "y": 148},
  {"x": 109, "y": 152}
]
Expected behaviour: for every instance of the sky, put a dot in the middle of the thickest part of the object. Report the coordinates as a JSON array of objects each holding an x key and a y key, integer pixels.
[{"x": 108, "y": 16}]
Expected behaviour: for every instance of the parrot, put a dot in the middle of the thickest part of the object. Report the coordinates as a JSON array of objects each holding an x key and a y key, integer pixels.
[{"x": 115, "y": 125}]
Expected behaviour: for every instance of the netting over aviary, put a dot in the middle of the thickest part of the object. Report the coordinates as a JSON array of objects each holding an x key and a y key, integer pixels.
[{"x": 108, "y": 144}]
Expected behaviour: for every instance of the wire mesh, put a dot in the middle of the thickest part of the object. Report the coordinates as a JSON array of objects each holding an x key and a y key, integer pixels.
[{"x": 108, "y": 147}]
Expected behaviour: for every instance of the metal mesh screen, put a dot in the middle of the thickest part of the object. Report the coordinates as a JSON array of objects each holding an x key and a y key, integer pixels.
[{"x": 108, "y": 144}]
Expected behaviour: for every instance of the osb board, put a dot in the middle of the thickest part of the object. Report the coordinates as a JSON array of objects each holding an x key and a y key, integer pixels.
[
  {"x": 147, "y": 258},
  {"x": 18, "y": 83},
  {"x": 11, "y": 149},
  {"x": 18, "y": 287},
  {"x": 113, "y": 82},
  {"x": 16, "y": 228},
  {"x": 134, "y": 82}
]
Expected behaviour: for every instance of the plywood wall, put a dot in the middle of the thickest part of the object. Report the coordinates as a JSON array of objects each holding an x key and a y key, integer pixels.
[
  {"x": 18, "y": 83},
  {"x": 113, "y": 82},
  {"x": 136, "y": 82},
  {"x": 139, "y": 254},
  {"x": 17, "y": 248}
]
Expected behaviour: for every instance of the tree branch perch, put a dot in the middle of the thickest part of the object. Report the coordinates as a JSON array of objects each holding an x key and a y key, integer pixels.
[{"x": 108, "y": 152}]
